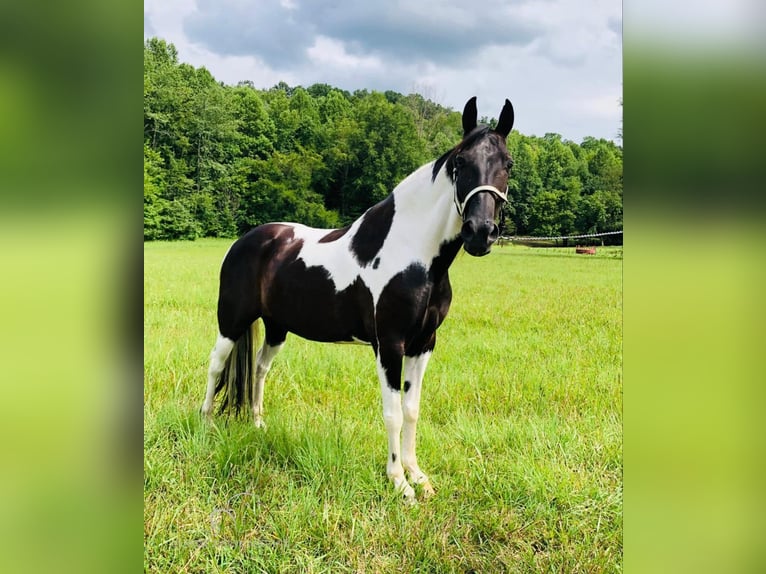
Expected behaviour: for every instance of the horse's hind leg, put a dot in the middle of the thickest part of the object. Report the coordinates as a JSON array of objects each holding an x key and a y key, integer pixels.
[
  {"x": 272, "y": 344},
  {"x": 263, "y": 361},
  {"x": 218, "y": 356}
]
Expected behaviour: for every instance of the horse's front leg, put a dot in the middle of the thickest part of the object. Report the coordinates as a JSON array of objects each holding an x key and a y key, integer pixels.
[
  {"x": 414, "y": 369},
  {"x": 389, "y": 363}
]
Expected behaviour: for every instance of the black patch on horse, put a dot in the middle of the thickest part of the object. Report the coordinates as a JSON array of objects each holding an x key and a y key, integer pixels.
[
  {"x": 407, "y": 386},
  {"x": 439, "y": 300},
  {"x": 335, "y": 234},
  {"x": 440, "y": 264},
  {"x": 303, "y": 300},
  {"x": 401, "y": 310},
  {"x": 373, "y": 230}
]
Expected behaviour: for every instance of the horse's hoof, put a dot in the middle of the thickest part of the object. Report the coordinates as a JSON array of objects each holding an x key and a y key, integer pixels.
[
  {"x": 426, "y": 490},
  {"x": 407, "y": 493},
  {"x": 259, "y": 424},
  {"x": 409, "y": 500}
]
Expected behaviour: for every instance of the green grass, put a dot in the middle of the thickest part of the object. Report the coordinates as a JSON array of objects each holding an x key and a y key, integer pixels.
[{"x": 520, "y": 431}]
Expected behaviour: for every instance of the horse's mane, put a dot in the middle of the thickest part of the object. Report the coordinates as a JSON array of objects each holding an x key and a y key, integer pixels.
[{"x": 467, "y": 141}]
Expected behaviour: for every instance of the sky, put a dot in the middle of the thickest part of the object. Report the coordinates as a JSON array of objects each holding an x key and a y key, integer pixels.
[{"x": 558, "y": 61}]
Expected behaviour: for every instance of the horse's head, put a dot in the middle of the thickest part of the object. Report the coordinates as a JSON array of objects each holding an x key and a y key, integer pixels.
[{"x": 479, "y": 167}]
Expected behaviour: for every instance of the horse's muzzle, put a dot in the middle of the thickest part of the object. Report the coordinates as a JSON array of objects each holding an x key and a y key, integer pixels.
[{"x": 478, "y": 238}]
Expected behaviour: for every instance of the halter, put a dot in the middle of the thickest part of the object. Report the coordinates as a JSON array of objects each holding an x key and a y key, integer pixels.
[{"x": 460, "y": 206}]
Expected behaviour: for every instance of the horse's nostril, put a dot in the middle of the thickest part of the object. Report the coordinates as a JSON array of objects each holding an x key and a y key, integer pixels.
[
  {"x": 468, "y": 230},
  {"x": 494, "y": 234}
]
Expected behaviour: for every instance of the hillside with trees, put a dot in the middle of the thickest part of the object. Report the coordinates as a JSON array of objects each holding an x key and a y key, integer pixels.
[{"x": 221, "y": 159}]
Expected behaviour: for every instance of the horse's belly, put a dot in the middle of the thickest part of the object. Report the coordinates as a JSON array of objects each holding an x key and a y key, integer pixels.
[
  {"x": 304, "y": 301},
  {"x": 322, "y": 334}
]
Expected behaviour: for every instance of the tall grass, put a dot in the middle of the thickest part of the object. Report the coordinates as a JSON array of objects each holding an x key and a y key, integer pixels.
[{"x": 520, "y": 432}]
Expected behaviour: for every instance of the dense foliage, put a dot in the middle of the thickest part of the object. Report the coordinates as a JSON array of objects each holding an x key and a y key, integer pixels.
[{"x": 220, "y": 159}]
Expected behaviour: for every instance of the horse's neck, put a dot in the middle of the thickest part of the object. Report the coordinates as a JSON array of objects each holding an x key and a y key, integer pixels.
[{"x": 426, "y": 218}]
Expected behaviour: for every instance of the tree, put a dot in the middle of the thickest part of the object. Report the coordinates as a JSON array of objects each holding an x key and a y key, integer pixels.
[
  {"x": 278, "y": 189},
  {"x": 154, "y": 204},
  {"x": 255, "y": 130},
  {"x": 524, "y": 185},
  {"x": 385, "y": 149},
  {"x": 331, "y": 178},
  {"x": 219, "y": 159}
]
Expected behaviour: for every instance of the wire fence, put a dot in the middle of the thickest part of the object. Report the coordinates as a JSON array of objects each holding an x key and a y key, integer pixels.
[{"x": 564, "y": 239}]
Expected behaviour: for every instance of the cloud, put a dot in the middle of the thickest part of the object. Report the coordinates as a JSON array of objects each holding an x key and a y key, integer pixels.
[
  {"x": 275, "y": 31},
  {"x": 559, "y": 61},
  {"x": 440, "y": 32},
  {"x": 282, "y": 32},
  {"x": 575, "y": 31},
  {"x": 332, "y": 54}
]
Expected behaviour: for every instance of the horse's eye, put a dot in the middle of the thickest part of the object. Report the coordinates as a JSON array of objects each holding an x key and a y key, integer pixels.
[
  {"x": 459, "y": 161},
  {"x": 509, "y": 165}
]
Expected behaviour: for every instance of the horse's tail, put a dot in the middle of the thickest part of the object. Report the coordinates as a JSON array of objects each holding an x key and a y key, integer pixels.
[{"x": 236, "y": 379}]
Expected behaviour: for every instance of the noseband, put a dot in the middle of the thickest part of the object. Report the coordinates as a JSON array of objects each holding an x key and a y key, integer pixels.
[{"x": 460, "y": 205}]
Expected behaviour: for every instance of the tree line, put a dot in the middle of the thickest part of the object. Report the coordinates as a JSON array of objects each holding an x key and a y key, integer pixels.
[{"x": 221, "y": 159}]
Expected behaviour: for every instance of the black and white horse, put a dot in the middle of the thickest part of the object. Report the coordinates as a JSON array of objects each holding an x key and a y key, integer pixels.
[{"x": 382, "y": 281}]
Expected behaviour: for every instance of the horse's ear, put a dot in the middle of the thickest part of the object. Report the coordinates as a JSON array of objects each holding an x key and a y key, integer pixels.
[
  {"x": 469, "y": 116},
  {"x": 505, "y": 123}
]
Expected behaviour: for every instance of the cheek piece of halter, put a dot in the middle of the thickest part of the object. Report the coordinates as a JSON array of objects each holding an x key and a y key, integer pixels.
[{"x": 460, "y": 205}]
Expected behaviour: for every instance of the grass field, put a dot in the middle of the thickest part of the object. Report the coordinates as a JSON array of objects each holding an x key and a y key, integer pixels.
[{"x": 520, "y": 431}]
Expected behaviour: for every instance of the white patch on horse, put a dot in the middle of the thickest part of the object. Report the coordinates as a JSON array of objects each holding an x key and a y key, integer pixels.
[
  {"x": 412, "y": 238},
  {"x": 418, "y": 229},
  {"x": 334, "y": 256}
]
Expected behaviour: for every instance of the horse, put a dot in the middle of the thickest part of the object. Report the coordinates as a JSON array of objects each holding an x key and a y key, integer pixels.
[{"x": 382, "y": 281}]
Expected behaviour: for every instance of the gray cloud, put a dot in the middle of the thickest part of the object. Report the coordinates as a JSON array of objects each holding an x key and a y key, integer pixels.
[
  {"x": 433, "y": 31},
  {"x": 279, "y": 33},
  {"x": 267, "y": 30}
]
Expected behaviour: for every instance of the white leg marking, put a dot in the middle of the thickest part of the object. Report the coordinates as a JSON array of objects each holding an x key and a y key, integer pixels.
[
  {"x": 263, "y": 361},
  {"x": 218, "y": 356},
  {"x": 414, "y": 369},
  {"x": 392, "y": 417}
]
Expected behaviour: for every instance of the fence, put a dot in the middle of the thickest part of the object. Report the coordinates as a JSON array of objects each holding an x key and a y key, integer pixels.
[{"x": 553, "y": 241}]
